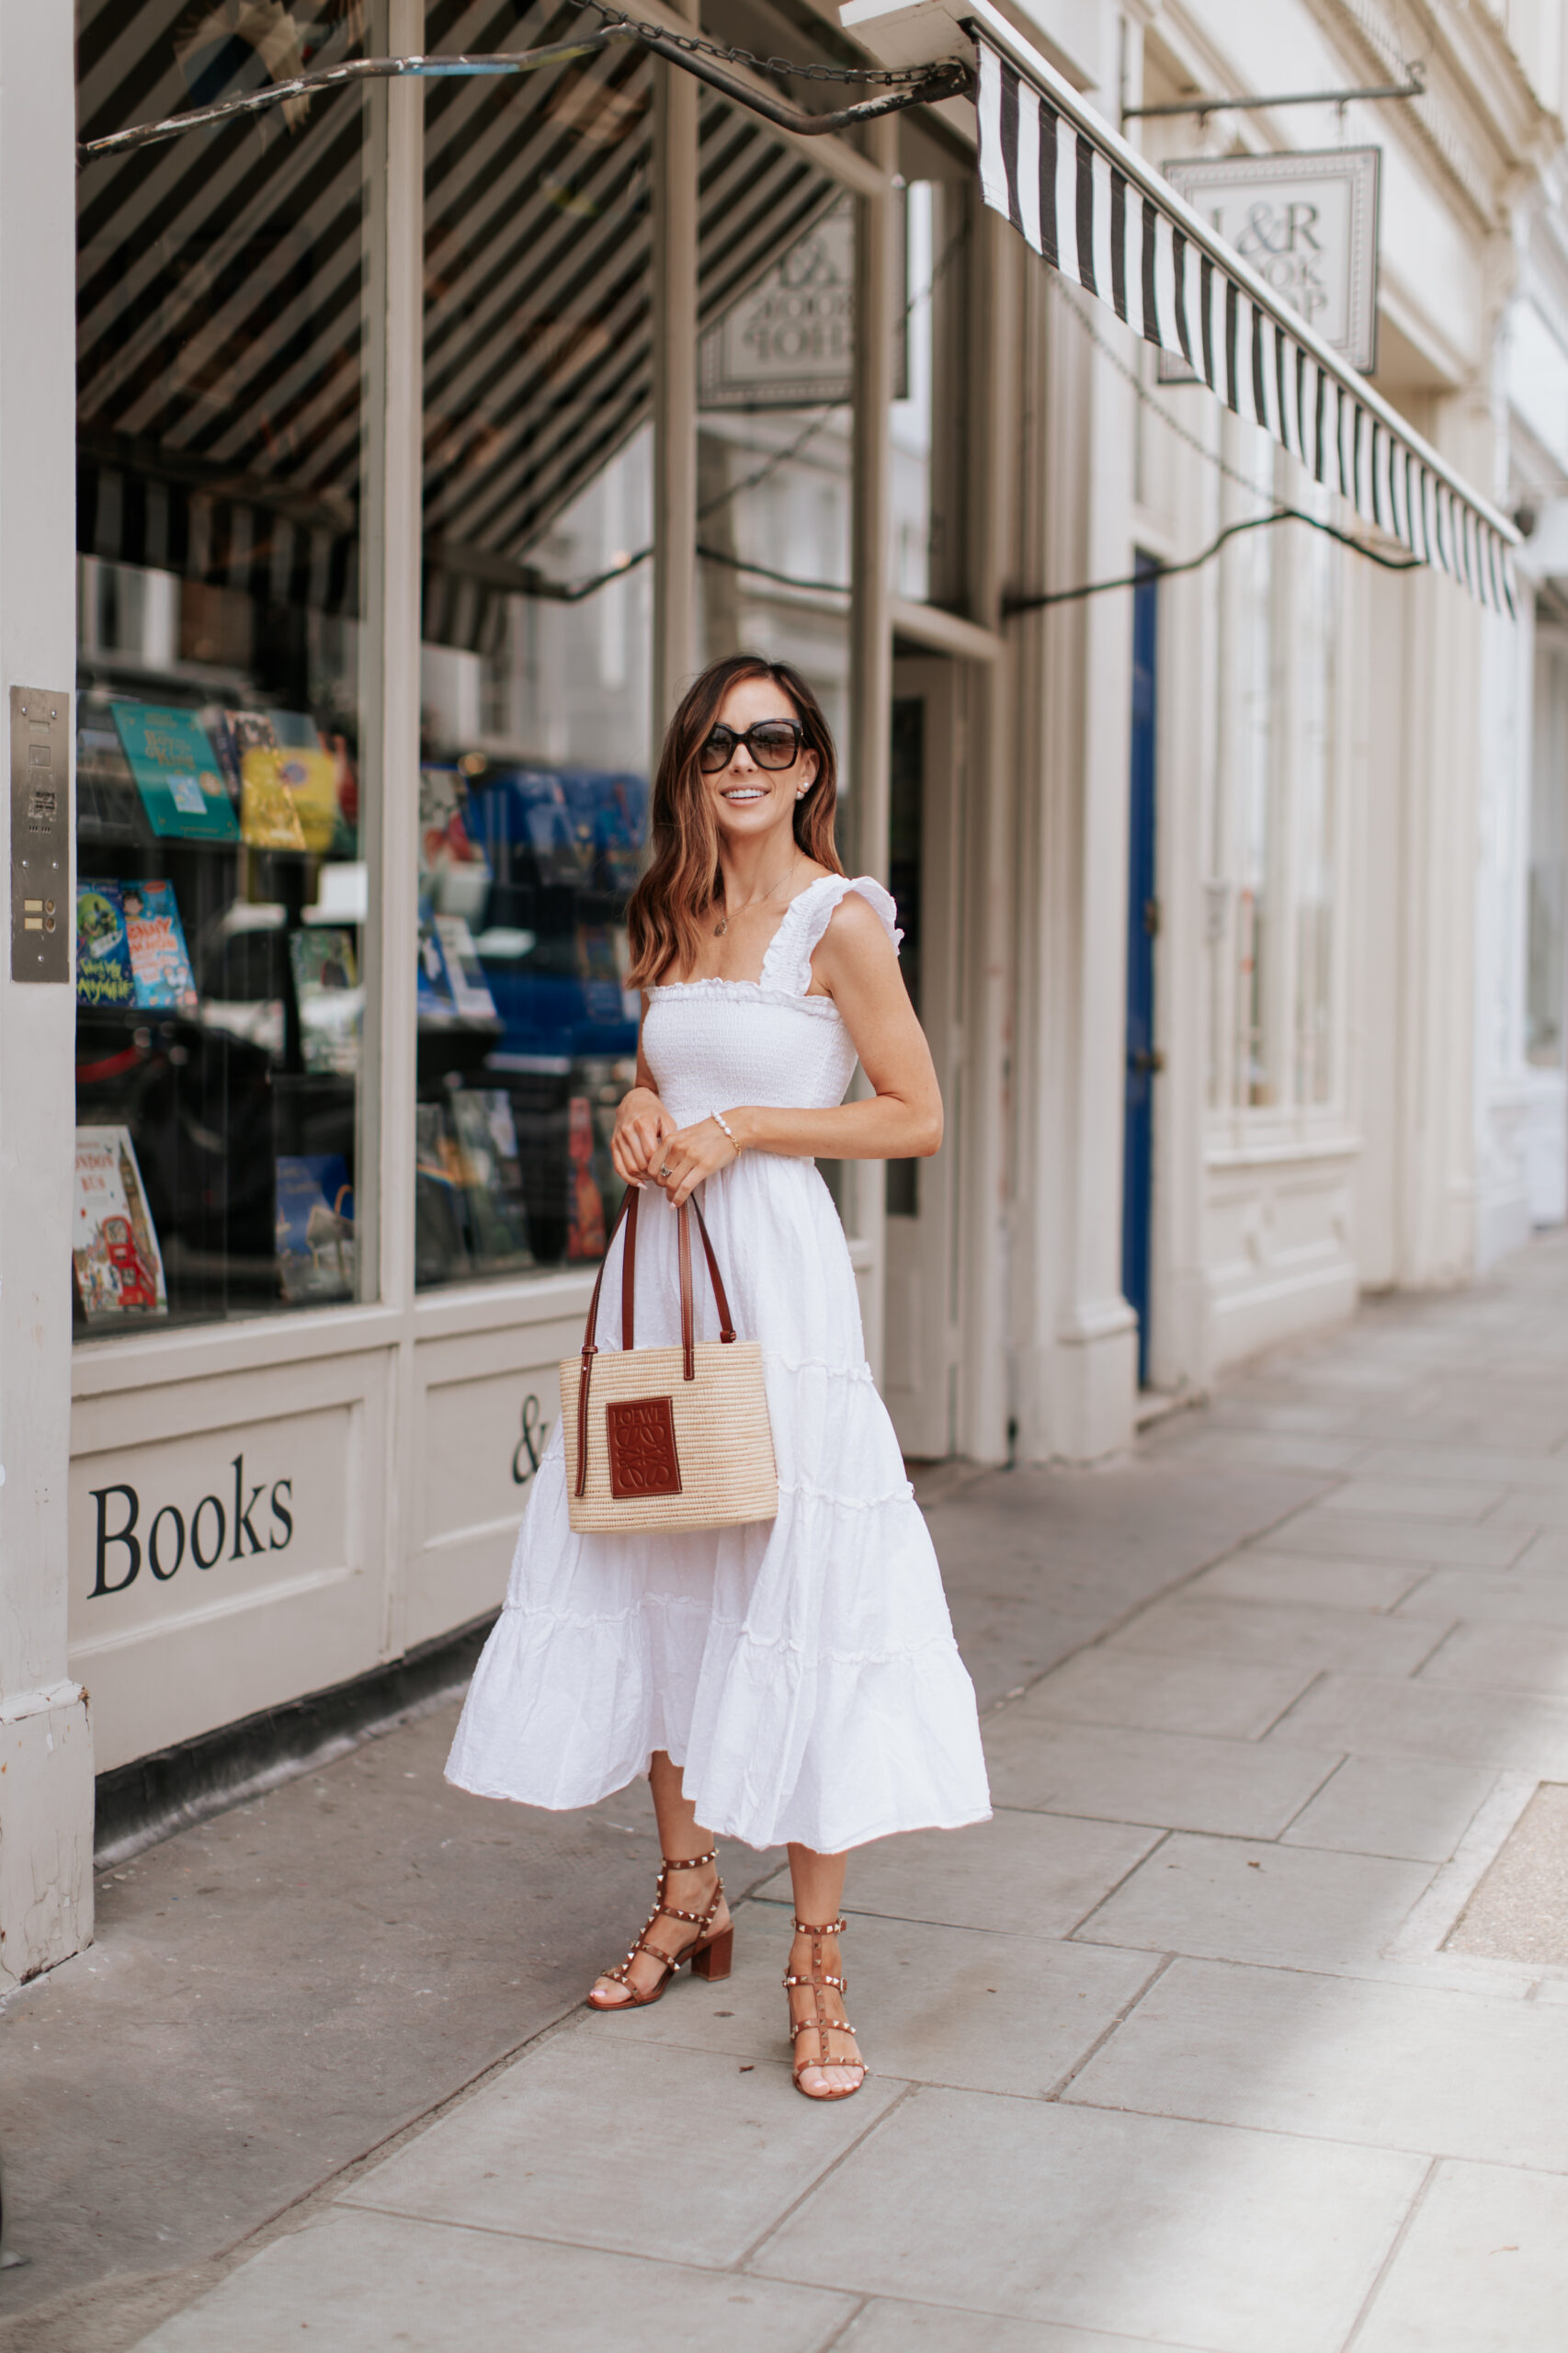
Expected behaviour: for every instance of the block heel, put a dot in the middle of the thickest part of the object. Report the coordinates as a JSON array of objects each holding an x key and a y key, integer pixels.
[{"x": 712, "y": 1960}]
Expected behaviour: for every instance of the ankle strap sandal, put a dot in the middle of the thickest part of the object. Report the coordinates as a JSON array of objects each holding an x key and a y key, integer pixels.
[
  {"x": 710, "y": 1955},
  {"x": 821, "y": 2026}
]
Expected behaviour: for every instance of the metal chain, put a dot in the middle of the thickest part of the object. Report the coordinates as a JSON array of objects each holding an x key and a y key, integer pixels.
[{"x": 693, "y": 42}]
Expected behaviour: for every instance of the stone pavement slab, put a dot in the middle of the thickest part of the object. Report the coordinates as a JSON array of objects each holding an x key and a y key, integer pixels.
[
  {"x": 1245, "y": 2242},
  {"x": 1376, "y": 1535},
  {"x": 361, "y": 2282},
  {"x": 1175, "y": 1780},
  {"x": 1391, "y": 2066},
  {"x": 1523, "y": 1597},
  {"x": 1036, "y": 1874},
  {"x": 885, "y": 2326},
  {"x": 1483, "y": 2267},
  {"x": 640, "y": 2147},
  {"x": 1487, "y": 1466},
  {"x": 1413, "y": 1807},
  {"x": 1227, "y": 1899},
  {"x": 1501, "y": 1657},
  {"x": 1416, "y": 1498},
  {"x": 1312, "y": 1577},
  {"x": 1303, "y": 1636},
  {"x": 1378, "y": 1717},
  {"x": 1158, "y": 1692},
  {"x": 974, "y": 2010}
]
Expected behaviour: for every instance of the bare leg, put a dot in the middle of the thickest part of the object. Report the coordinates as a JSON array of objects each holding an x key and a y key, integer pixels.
[
  {"x": 679, "y": 1835},
  {"x": 818, "y": 1884}
]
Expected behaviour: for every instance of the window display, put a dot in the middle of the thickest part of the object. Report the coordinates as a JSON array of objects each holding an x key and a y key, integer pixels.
[{"x": 220, "y": 889}]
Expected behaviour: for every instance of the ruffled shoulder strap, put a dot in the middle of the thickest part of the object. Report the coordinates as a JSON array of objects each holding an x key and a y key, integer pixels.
[{"x": 788, "y": 964}]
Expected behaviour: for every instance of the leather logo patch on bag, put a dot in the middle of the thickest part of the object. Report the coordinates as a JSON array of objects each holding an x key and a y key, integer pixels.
[{"x": 641, "y": 1436}]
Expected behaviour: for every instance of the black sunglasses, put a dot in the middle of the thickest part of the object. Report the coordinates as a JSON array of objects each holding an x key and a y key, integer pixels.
[{"x": 772, "y": 743}]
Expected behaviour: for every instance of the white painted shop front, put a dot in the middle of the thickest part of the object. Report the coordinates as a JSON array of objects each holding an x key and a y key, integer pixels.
[{"x": 269, "y": 1497}]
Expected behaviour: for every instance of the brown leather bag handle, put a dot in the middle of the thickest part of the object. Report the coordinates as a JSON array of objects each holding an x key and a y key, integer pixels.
[{"x": 627, "y": 1213}]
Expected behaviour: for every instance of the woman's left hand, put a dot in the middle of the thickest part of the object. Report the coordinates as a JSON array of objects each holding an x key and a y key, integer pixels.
[{"x": 689, "y": 1156}]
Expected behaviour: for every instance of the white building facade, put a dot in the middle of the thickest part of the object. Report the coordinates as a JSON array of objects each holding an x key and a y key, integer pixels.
[{"x": 428, "y": 436}]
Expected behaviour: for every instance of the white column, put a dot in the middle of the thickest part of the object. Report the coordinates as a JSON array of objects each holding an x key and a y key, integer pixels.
[
  {"x": 46, "y": 1760},
  {"x": 877, "y": 301},
  {"x": 391, "y": 554},
  {"x": 1077, "y": 1340}
]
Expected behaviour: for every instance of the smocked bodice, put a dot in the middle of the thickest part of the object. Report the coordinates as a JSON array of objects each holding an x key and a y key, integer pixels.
[{"x": 712, "y": 1043}]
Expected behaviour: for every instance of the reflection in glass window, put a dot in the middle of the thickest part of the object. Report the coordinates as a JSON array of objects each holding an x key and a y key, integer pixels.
[
  {"x": 536, "y": 671},
  {"x": 775, "y": 440},
  {"x": 222, "y": 895}
]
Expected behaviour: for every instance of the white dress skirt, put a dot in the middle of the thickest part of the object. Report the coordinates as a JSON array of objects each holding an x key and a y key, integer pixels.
[{"x": 801, "y": 1671}]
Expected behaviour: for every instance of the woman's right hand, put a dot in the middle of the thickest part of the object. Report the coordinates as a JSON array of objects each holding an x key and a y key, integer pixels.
[{"x": 640, "y": 1126}]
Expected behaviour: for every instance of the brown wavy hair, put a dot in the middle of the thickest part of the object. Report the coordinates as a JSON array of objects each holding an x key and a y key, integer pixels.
[{"x": 684, "y": 882}]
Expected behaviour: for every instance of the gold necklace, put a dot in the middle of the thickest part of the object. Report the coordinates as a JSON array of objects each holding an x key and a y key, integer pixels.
[{"x": 723, "y": 925}]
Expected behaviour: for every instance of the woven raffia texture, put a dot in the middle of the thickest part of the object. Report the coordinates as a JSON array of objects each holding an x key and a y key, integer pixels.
[{"x": 724, "y": 1439}]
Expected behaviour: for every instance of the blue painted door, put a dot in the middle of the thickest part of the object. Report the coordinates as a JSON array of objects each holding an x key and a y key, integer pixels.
[{"x": 1142, "y": 925}]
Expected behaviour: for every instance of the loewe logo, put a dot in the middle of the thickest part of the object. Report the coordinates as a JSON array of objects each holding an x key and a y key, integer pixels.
[
  {"x": 641, "y": 1435},
  {"x": 211, "y": 1526}
]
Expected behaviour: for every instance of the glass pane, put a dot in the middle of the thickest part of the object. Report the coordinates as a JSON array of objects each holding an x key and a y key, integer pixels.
[
  {"x": 1546, "y": 987},
  {"x": 926, "y": 421},
  {"x": 221, "y": 894},
  {"x": 776, "y": 294},
  {"x": 536, "y": 673}
]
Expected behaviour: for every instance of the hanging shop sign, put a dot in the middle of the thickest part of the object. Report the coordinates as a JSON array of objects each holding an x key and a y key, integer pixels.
[
  {"x": 1308, "y": 224},
  {"x": 789, "y": 342}
]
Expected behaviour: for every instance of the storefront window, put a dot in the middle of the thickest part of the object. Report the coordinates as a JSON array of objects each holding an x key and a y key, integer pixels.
[{"x": 222, "y": 889}]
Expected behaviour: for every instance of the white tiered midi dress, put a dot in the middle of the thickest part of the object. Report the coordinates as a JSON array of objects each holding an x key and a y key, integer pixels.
[{"x": 801, "y": 1671}]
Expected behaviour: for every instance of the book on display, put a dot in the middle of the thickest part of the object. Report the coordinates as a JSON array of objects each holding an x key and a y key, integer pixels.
[
  {"x": 331, "y": 1001},
  {"x": 491, "y": 1169},
  {"x": 103, "y": 953},
  {"x": 160, "y": 960},
  {"x": 315, "y": 1236},
  {"x": 177, "y": 772},
  {"x": 269, "y": 819},
  {"x": 465, "y": 973},
  {"x": 114, "y": 1245}
]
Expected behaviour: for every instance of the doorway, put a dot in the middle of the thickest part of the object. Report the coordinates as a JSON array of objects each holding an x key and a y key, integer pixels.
[
  {"x": 922, "y": 1332},
  {"x": 1143, "y": 1058}
]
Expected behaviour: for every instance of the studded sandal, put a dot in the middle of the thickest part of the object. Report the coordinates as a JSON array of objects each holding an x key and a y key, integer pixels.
[
  {"x": 708, "y": 1954},
  {"x": 821, "y": 2026}
]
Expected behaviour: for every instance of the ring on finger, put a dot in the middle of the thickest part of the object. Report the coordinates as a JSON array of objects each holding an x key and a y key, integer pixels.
[{"x": 666, "y": 1172}]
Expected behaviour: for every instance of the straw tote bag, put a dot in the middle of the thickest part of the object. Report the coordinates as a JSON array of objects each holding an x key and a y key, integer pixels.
[{"x": 666, "y": 1439}]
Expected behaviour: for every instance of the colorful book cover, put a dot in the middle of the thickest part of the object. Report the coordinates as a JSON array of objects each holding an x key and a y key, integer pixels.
[
  {"x": 585, "y": 1202},
  {"x": 114, "y": 1249},
  {"x": 177, "y": 772},
  {"x": 444, "y": 837},
  {"x": 159, "y": 959},
  {"x": 331, "y": 1001},
  {"x": 492, "y": 1174},
  {"x": 440, "y": 1251},
  {"x": 312, "y": 781},
  {"x": 315, "y": 1226},
  {"x": 269, "y": 819},
  {"x": 103, "y": 954},
  {"x": 435, "y": 997},
  {"x": 465, "y": 973}
]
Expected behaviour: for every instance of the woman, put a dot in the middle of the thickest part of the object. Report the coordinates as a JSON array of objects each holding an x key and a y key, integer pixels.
[{"x": 795, "y": 1680}]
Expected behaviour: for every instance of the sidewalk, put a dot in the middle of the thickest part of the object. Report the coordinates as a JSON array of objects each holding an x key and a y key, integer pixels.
[{"x": 1244, "y": 2027}]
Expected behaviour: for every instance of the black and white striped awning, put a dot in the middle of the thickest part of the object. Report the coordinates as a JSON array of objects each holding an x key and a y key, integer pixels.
[{"x": 1097, "y": 211}]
